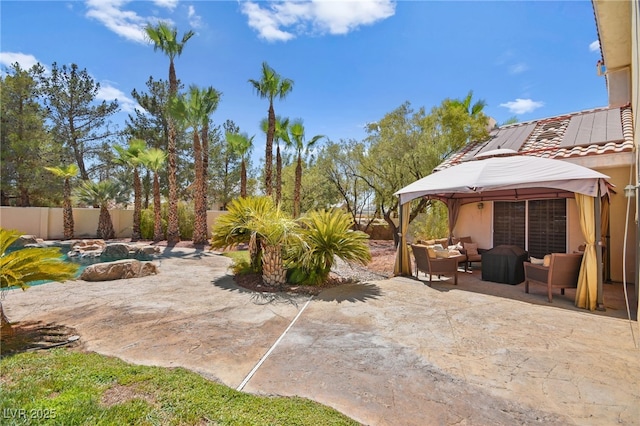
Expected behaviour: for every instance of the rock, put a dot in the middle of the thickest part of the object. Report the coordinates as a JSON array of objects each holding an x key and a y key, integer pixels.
[
  {"x": 87, "y": 248},
  {"x": 116, "y": 251},
  {"x": 120, "y": 269},
  {"x": 25, "y": 241},
  {"x": 149, "y": 250}
]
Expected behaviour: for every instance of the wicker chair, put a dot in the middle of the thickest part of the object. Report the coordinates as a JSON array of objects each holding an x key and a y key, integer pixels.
[
  {"x": 433, "y": 266},
  {"x": 562, "y": 272}
]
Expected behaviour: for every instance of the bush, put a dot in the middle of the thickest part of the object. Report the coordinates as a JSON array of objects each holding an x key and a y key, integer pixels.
[{"x": 186, "y": 218}]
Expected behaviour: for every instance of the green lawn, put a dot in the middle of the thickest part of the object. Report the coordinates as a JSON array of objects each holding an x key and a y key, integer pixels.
[{"x": 65, "y": 387}]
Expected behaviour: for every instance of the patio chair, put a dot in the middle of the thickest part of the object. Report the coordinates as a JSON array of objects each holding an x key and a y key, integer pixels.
[
  {"x": 561, "y": 273},
  {"x": 470, "y": 250},
  {"x": 434, "y": 266}
]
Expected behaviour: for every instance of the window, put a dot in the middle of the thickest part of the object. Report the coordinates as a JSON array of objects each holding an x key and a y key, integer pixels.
[
  {"x": 545, "y": 231},
  {"x": 547, "y": 227},
  {"x": 508, "y": 223}
]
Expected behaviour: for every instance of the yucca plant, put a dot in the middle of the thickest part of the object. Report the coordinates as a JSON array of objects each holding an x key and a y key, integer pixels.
[
  {"x": 20, "y": 267},
  {"x": 325, "y": 235}
]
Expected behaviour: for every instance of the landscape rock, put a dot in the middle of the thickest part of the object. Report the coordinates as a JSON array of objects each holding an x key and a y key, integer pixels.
[
  {"x": 120, "y": 269},
  {"x": 87, "y": 248},
  {"x": 26, "y": 241},
  {"x": 116, "y": 251}
]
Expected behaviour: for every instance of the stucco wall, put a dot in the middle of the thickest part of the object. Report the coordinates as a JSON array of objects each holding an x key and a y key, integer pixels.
[{"x": 46, "y": 223}]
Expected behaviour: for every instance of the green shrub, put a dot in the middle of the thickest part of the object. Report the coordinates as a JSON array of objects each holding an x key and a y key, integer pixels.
[{"x": 186, "y": 218}]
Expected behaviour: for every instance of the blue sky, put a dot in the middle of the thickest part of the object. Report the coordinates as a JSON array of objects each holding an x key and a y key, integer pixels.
[{"x": 351, "y": 61}]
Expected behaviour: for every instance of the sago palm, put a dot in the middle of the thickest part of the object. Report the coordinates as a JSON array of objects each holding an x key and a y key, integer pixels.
[
  {"x": 325, "y": 236},
  {"x": 269, "y": 86},
  {"x": 241, "y": 144},
  {"x": 101, "y": 193},
  {"x": 165, "y": 39},
  {"x": 131, "y": 156},
  {"x": 154, "y": 160},
  {"x": 20, "y": 267},
  {"x": 67, "y": 173}
]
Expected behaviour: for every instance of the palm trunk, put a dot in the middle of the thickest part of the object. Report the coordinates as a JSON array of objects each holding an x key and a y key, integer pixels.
[
  {"x": 137, "y": 205},
  {"x": 199, "y": 228},
  {"x": 255, "y": 252},
  {"x": 105, "y": 225},
  {"x": 268, "y": 157},
  {"x": 243, "y": 179},
  {"x": 158, "y": 235},
  {"x": 173, "y": 228},
  {"x": 273, "y": 272},
  {"x": 278, "y": 175},
  {"x": 296, "y": 189},
  {"x": 67, "y": 211}
]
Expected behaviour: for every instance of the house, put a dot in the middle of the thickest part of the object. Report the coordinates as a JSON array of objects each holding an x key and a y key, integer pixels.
[{"x": 527, "y": 201}]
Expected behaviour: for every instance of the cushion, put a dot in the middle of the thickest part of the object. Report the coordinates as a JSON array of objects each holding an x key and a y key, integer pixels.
[
  {"x": 454, "y": 253},
  {"x": 471, "y": 249},
  {"x": 442, "y": 254},
  {"x": 462, "y": 240},
  {"x": 536, "y": 261},
  {"x": 432, "y": 252},
  {"x": 547, "y": 260}
]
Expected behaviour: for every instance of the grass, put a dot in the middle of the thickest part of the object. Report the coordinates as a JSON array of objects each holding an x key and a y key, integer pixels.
[
  {"x": 238, "y": 256},
  {"x": 66, "y": 387}
]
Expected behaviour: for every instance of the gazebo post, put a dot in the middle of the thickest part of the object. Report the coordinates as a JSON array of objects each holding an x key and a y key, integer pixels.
[{"x": 598, "y": 213}]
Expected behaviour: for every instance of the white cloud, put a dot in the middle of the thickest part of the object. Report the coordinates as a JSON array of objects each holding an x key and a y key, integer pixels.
[
  {"x": 195, "y": 20},
  {"x": 518, "y": 68},
  {"x": 127, "y": 24},
  {"x": 109, "y": 93},
  {"x": 26, "y": 61},
  {"x": 282, "y": 21},
  {"x": 169, "y": 4},
  {"x": 595, "y": 46},
  {"x": 522, "y": 106}
]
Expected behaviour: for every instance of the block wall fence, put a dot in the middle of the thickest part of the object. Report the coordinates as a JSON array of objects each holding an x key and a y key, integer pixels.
[{"x": 46, "y": 222}]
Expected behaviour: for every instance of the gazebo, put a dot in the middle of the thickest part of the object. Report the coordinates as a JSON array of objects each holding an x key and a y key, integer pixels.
[{"x": 503, "y": 175}]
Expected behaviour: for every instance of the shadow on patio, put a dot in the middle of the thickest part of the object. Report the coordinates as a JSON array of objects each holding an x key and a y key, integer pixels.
[{"x": 614, "y": 297}]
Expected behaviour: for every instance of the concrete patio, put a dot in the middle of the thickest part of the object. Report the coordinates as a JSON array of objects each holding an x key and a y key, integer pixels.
[{"x": 389, "y": 352}]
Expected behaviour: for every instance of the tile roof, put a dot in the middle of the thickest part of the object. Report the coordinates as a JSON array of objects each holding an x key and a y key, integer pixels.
[{"x": 585, "y": 133}]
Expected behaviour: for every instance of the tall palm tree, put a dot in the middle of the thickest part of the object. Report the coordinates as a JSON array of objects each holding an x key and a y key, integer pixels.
[
  {"x": 281, "y": 134},
  {"x": 165, "y": 38},
  {"x": 194, "y": 110},
  {"x": 241, "y": 144},
  {"x": 132, "y": 157},
  {"x": 66, "y": 173},
  {"x": 473, "y": 110},
  {"x": 269, "y": 86},
  {"x": 101, "y": 193},
  {"x": 20, "y": 267},
  {"x": 154, "y": 159},
  {"x": 296, "y": 131}
]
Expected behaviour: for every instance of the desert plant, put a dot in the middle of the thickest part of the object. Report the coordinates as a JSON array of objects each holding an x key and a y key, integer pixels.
[
  {"x": 325, "y": 236},
  {"x": 20, "y": 267},
  {"x": 236, "y": 226},
  {"x": 101, "y": 194}
]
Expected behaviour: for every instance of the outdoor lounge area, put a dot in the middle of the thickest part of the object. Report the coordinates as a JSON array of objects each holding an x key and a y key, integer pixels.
[{"x": 471, "y": 281}]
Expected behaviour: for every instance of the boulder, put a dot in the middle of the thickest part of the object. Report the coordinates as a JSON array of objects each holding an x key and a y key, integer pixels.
[
  {"x": 25, "y": 241},
  {"x": 120, "y": 269},
  {"x": 149, "y": 250},
  {"x": 87, "y": 248},
  {"x": 116, "y": 251}
]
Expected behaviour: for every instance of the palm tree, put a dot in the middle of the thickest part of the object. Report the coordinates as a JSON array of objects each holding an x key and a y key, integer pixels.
[
  {"x": 101, "y": 193},
  {"x": 296, "y": 131},
  {"x": 131, "y": 157},
  {"x": 67, "y": 173},
  {"x": 281, "y": 133},
  {"x": 472, "y": 110},
  {"x": 20, "y": 267},
  {"x": 194, "y": 110},
  {"x": 241, "y": 144},
  {"x": 270, "y": 85},
  {"x": 165, "y": 38},
  {"x": 154, "y": 159}
]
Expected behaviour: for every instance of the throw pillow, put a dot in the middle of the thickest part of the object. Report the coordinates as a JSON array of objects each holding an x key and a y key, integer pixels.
[
  {"x": 471, "y": 249},
  {"x": 536, "y": 261},
  {"x": 432, "y": 252},
  {"x": 442, "y": 254},
  {"x": 547, "y": 261}
]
